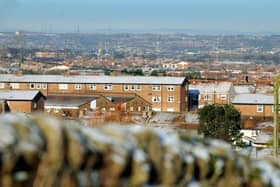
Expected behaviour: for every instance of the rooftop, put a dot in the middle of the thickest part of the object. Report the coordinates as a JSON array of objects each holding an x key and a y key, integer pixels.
[
  {"x": 92, "y": 79},
  {"x": 253, "y": 99},
  {"x": 221, "y": 87},
  {"x": 67, "y": 101},
  {"x": 18, "y": 95},
  {"x": 243, "y": 89}
]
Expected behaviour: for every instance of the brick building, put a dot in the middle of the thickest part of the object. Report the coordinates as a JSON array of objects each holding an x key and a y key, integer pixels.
[
  {"x": 212, "y": 93},
  {"x": 22, "y": 101},
  {"x": 166, "y": 94},
  {"x": 254, "y": 106}
]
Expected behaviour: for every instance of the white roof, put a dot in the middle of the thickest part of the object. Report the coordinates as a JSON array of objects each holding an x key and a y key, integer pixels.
[
  {"x": 18, "y": 95},
  {"x": 253, "y": 99},
  {"x": 59, "y": 68},
  {"x": 222, "y": 87},
  {"x": 243, "y": 89},
  {"x": 92, "y": 79}
]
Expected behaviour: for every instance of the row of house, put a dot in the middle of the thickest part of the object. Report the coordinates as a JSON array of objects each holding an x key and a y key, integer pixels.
[
  {"x": 71, "y": 107},
  {"x": 251, "y": 105},
  {"x": 167, "y": 94}
]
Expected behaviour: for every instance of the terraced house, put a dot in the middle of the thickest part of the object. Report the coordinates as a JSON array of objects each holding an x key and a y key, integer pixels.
[{"x": 167, "y": 94}]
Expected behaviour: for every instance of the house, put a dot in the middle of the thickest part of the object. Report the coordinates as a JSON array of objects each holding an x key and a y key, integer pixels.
[
  {"x": 74, "y": 107},
  {"x": 164, "y": 93},
  {"x": 175, "y": 65},
  {"x": 22, "y": 101},
  {"x": 130, "y": 103},
  {"x": 211, "y": 93},
  {"x": 254, "y": 106}
]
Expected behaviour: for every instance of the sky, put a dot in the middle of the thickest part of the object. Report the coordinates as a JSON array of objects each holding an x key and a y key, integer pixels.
[{"x": 248, "y": 16}]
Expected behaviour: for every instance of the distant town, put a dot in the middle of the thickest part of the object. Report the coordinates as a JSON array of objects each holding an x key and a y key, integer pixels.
[{"x": 139, "y": 78}]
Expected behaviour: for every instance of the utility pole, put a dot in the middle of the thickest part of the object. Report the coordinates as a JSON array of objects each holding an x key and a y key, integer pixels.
[{"x": 275, "y": 116}]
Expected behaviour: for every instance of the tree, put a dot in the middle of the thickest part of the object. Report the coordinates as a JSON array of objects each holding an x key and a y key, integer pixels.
[{"x": 220, "y": 122}]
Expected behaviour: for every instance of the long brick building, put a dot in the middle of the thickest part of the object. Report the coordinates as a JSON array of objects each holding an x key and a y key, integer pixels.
[{"x": 166, "y": 94}]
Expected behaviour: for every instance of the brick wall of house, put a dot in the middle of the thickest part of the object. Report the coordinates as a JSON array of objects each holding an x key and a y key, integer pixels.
[
  {"x": 69, "y": 113},
  {"x": 20, "y": 106},
  {"x": 177, "y": 105},
  {"x": 251, "y": 110}
]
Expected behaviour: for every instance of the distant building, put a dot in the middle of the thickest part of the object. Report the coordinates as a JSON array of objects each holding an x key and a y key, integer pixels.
[
  {"x": 175, "y": 65},
  {"x": 74, "y": 107},
  {"x": 254, "y": 106},
  {"x": 22, "y": 101},
  {"x": 166, "y": 94},
  {"x": 211, "y": 93}
]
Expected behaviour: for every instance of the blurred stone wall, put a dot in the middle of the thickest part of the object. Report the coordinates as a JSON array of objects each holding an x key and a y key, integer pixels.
[{"x": 45, "y": 152}]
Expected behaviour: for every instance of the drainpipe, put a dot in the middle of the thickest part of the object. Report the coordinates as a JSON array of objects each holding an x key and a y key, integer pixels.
[{"x": 275, "y": 116}]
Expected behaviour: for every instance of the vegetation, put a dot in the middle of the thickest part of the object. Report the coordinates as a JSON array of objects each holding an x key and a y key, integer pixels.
[
  {"x": 158, "y": 73},
  {"x": 107, "y": 72},
  {"x": 220, "y": 122},
  {"x": 134, "y": 72}
]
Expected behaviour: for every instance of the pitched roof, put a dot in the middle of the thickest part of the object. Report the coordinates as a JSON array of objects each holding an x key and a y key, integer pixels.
[
  {"x": 222, "y": 87},
  {"x": 92, "y": 79},
  {"x": 243, "y": 89},
  {"x": 19, "y": 95},
  {"x": 67, "y": 101},
  {"x": 256, "y": 99}
]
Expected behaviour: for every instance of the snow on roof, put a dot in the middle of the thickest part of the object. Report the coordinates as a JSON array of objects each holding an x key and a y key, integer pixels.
[
  {"x": 253, "y": 99},
  {"x": 59, "y": 68},
  {"x": 244, "y": 89},
  {"x": 18, "y": 95},
  {"x": 222, "y": 87},
  {"x": 67, "y": 101},
  {"x": 92, "y": 79}
]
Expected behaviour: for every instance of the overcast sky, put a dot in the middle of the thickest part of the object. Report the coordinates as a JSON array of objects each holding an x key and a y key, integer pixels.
[{"x": 145, "y": 15}]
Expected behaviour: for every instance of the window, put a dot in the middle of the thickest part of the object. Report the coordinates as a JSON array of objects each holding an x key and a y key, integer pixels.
[
  {"x": 138, "y": 87},
  {"x": 223, "y": 97},
  {"x": 156, "y": 87},
  {"x": 32, "y": 85},
  {"x": 2, "y": 85},
  {"x": 259, "y": 108},
  {"x": 170, "y": 88},
  {"x": 63, "y": 86},
  {"x": 78, "y": 86},
  {"x": 44, "y": 86},
  {"x": 131, "y": 109},
  {"x": 14, "y": 85},
  {"x": 206, "y": 97},
  {"x": 156, "y": 99},
  {"x": 38, "y": 86},
  {"x": 125, "y": 87},
  {"x": 92, "y": 86},
  {"x": 108, "y": 87},
  {"x": 170, "y": 99},
  {"x": 132, "y": 87}
]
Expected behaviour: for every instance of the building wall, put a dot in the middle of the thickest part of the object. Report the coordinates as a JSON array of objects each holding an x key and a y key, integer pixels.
[
  {"x": 20, "y": 106},
  {"x": 146, "y": 92},
  {"x": 137, "y": 105},
  {"x": 69, "y": 113},
  {"x": 214, "y": 98},
  {"x": 26, "y": 106},
  {"x": 251, "y": 110},
  {"x": 40, "y": 105}
]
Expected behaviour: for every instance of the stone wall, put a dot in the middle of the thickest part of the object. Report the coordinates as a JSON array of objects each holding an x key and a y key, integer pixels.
[{"x": 45, "y": 152}]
